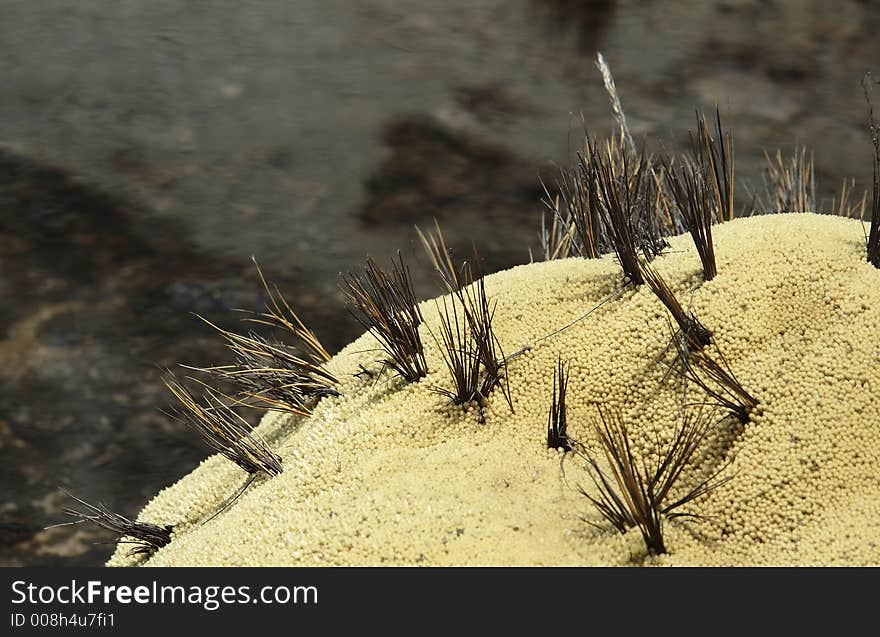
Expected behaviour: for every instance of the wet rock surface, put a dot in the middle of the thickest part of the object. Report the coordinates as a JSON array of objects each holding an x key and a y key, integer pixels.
[{"x": 148, "y": 152}]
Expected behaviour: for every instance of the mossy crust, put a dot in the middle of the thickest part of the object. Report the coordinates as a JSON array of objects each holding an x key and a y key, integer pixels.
[{"x": 391, "y": 473}]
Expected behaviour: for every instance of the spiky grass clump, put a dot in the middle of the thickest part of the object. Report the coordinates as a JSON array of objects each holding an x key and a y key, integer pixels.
[
  {"x": 620, "y": 198},
  {"x": 269, "y": 375},
  {"x": 460, "y": 353},
  {"x": 224, "y": 430},
  {"x": 278, "y": 314},
  {"x": 576, "y": 228},
  {"x": 479, "y": 313},
  {"x": 715, "y": 379},
  {"x": 441, "y": 258},
  {"x": 386, "y": 305},
  {"x": 630, "y": 493},
  {"x": 791, "y": 185},
  {"x": 470, "y": 347},
  {"x": 693, "y": 198},
  {"x": 690, "y": 327},
  {"x": 145, "y": 537},
  {"x": 716, "y": 154},
  {"x": 557, "y": 421}
]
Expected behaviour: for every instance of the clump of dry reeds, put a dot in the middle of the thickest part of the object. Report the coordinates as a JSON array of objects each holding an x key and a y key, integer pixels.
[
  {"x": 470, "y": 347},
  {"x": 460, "y": 353},
  {"x": 715, "y": 379},
  {"x": 620, "y": 194},
  {"x": 715, "y": 154},
  {"x": 441, "y": 258},
  {"x": 690, "y": 327},
  {"x": 386, "y": 305},
  {"x": 845, "y": 204},
  {"x": 271, "y": 374},
  {"x": 694, "y": 199},
  {"x": 633, "y": 493},
  {"x": 278, "y": 314},
  {"x": 222, "y": 429},
  {"x": 480, "y": 313},
  {"x": 555, "y": 239},
  {"x": 790, "y": 185},
  {"x": 145, "y": 537},
  {"x": 576, "y": 226},
  {"x": 557, "y": 421}
]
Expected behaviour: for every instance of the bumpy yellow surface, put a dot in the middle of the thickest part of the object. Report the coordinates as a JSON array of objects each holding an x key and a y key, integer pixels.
[{"x": 393, "y": 474}]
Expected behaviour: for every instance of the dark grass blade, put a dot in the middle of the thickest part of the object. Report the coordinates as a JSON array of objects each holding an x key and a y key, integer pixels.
[
  {"x": 270, "y": 375},
  {"x": 691, "y": 328},
  {"x": 460, "y": 353},
  {"x": 579, "y": 212},
  {"x": 441, "y": 258},
  {"x": 716, "y": 153},
  {"x": 386, "y": 305},
  {"x": 278, "y": 314},
  {"x": 715, "y": 379},
  {"x": 791, "y": 185},
  {"x": 479, "y": 313},
  {"x": 694, "y": 198},
  {"x": 873, "y": 242},
  {"x": 634, "y": 493},
  {"x": 222, "y": 429},
  {"x": 619, "y": 195},
  {"x": 145, "y": 537},
  {"x": 557, "y": 422}
]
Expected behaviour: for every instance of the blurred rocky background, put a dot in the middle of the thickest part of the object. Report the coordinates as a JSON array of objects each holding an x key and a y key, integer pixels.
[{"x": 148, "y": 149}]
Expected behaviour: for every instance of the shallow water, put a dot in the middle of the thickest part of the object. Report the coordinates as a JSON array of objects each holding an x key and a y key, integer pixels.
[{"x": 147, "y": 154}]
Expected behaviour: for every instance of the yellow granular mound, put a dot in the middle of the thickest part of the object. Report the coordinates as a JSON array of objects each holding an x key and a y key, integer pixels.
[{"x": 391, "y": 473}]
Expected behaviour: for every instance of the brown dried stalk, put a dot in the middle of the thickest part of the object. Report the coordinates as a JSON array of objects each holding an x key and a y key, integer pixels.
[
  {"x": 694, "y": 198},
  {"x": 620, "y": 196},
  {"x": 479, "y": 314},
  {"x": 386, "y": 305},
  {"x": 716, "y": 156},
  {"x": 441, "y": 258},
  {"x": 634, "y": 493},
  {"x": 845, "y": 205},
  {"x": 471, "y": 350},
  {"x": 145, "y": 537},
  {"x": 557, "y": 421},
  {"x": 790, "y": 186},
  {"x": 222, "y": 429},
  {"x": 278, "y": 314},
  {"x": 269, "y": 375},
  {"x": 460, "y": 353},
  {"x": 689, "y": 325},
  {"x": 715, "y": 379}
]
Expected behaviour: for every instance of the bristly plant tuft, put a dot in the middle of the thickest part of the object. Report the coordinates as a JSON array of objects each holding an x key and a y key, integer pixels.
[
  {"x": 630, "y": 493},
  {"x": 697, "y": 334},
  {"x": 145, "y": 537},
  {"x": 716, "y": 155},
  {"x": 557, "y": 422},
  {"x": 715, "y": 379},
  {"x": 222, "y": 429},
  {"x": 386, "y": 305}
]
